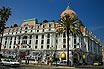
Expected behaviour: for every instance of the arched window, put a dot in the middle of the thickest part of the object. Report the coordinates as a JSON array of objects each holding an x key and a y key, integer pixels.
[{"x": 26, "y": 28}]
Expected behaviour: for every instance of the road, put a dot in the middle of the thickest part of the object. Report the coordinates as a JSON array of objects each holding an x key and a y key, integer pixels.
[{"x": 51, "y": 67}]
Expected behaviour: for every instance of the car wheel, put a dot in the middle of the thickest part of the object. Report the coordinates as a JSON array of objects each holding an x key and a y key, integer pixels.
[
  {"x": 11, "y": 65},
  {"x": 2, "y": 64}
]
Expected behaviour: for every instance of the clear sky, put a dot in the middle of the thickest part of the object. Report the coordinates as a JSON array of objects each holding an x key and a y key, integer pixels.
[{"x": 91, "y": 12}]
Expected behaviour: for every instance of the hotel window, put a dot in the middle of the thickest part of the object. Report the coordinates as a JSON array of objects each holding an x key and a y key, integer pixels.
[
  {"x": 56, "y": 35},
  {"x": 25, "y": 31},
  {"x": 48, "y": 41},
  {"x": 42, "y": 41},
  {"x": 24, "y": 40},
  {"x": 64, "y": 40},
  {"x": 14, "y": 42},
  {"x": 30, "y": 36},
  {"x": 42, "y": 47},
  {"x": 36, "y": 36},
  {"x": 4, "y": 47},
  {"x": 56, "y": 41},
  {"x": 49, "y": 25},
  {"x": 49, "y": 29},
  {"x": 36, "y": 41},
  {"x": 30, "y": 42},
  {"x": 47, "y": 46},
  {"x": 35, "y": 47},
  {"x": 74, "y": 41},
  {"x": 64, "y": 35},
  {"x": 11, "y": 38},
  {"x": 64, "y": 46},
  {"x": 9, "y": 30},
  {"x": 29, "y": 46},
  {"x": 37, "y": 30},
  {"x": 24, "y": 46},
  {"x": 38, "y": 27},
  {"x": 19, "y": 37},
  {"x": 48, "y": 35},
  {"x": 10, "y": 42},
  {"x": 5, "y": 42},
  {"x": 74, "y": 46},
  {"x": 42, "y": 36},
  {"x": 9, "y": 46},
  {"x": 32, "y": 27},
  {"x": 43, "y": 26},
  {"x": 19, "y": 42},
  {"x": 43, "y": 30},
  {"x": 13, "y": 46},
  {"x": 74, "y": 36},
  {"x": 6, "y": 38},
  {"x": 15, "y": 38},
  {"x": 26, "y": 28}
]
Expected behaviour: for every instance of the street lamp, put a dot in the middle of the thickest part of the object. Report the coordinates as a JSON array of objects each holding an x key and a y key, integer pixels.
[{"x": 84, "y": 57}]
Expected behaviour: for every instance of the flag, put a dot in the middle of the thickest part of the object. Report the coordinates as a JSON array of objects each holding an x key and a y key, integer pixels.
[{"x": 17, "y": 44}]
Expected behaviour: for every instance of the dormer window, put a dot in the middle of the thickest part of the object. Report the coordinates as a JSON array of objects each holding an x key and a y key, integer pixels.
[
  {"x": 49, "y": 25},
  {"x": 73, "y": 15},
  {"x": 38, "y": 27},
  {"x": 43, "y": 26},
  {"x": 65, "y": 14},
  {"x": 26, "y": 28},
  {"x": 25, "y": 31}
]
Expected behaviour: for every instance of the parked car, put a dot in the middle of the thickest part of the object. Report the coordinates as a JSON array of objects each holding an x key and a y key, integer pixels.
[
  {"x": 54, "y": 63},
  {"x": 10, "y": 62},
  {"x": 64, "y": 63},
  {"x": 33, "y": 61},
  {"x": 97, "y": 63}
]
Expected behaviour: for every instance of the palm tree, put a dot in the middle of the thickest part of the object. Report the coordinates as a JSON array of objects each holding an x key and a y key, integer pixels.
[
  {"x": 4, "y": 15},
  {"x": 68, "y": 24}
]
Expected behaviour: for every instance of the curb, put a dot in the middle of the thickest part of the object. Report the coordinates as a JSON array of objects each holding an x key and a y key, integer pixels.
[{"x": 48, "y": 66}]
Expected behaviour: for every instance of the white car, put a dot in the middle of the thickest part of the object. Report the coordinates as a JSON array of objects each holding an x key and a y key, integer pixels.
[
  {"x": 64, "y": 63},
  {"x": 10, "y": 62},
  {"x": 56, "y": 63}
]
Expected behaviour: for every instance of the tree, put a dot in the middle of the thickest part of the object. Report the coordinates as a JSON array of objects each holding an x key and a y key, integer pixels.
[
  {"x": 68, "y": 24},
  {"x": 4, "y": 15}
]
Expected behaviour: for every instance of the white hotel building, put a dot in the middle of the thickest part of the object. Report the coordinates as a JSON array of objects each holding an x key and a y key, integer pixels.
[{"x": 39, "y": 40}]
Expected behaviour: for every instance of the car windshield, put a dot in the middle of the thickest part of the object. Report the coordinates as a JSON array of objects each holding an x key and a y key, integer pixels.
[{"x": 13, "y": 60}]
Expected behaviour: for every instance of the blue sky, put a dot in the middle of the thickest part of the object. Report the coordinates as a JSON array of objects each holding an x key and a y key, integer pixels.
[{"x": 91, "y": 12}]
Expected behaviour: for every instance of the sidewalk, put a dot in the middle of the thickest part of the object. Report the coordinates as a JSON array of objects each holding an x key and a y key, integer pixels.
[{"x": 49, "y": 66}]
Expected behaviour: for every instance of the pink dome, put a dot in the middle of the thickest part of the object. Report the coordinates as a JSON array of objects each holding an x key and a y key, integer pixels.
[{"x": 69, "y": 12}]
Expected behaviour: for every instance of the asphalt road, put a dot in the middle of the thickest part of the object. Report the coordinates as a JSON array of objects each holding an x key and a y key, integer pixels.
[{"x": 51, "y": 67}]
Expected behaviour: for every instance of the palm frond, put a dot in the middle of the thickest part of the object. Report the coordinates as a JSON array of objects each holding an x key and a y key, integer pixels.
[{"x": 4, "y": 14}]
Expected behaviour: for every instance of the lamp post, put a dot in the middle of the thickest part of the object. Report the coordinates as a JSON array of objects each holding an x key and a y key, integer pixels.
[{"x": 84, "y": 57}]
